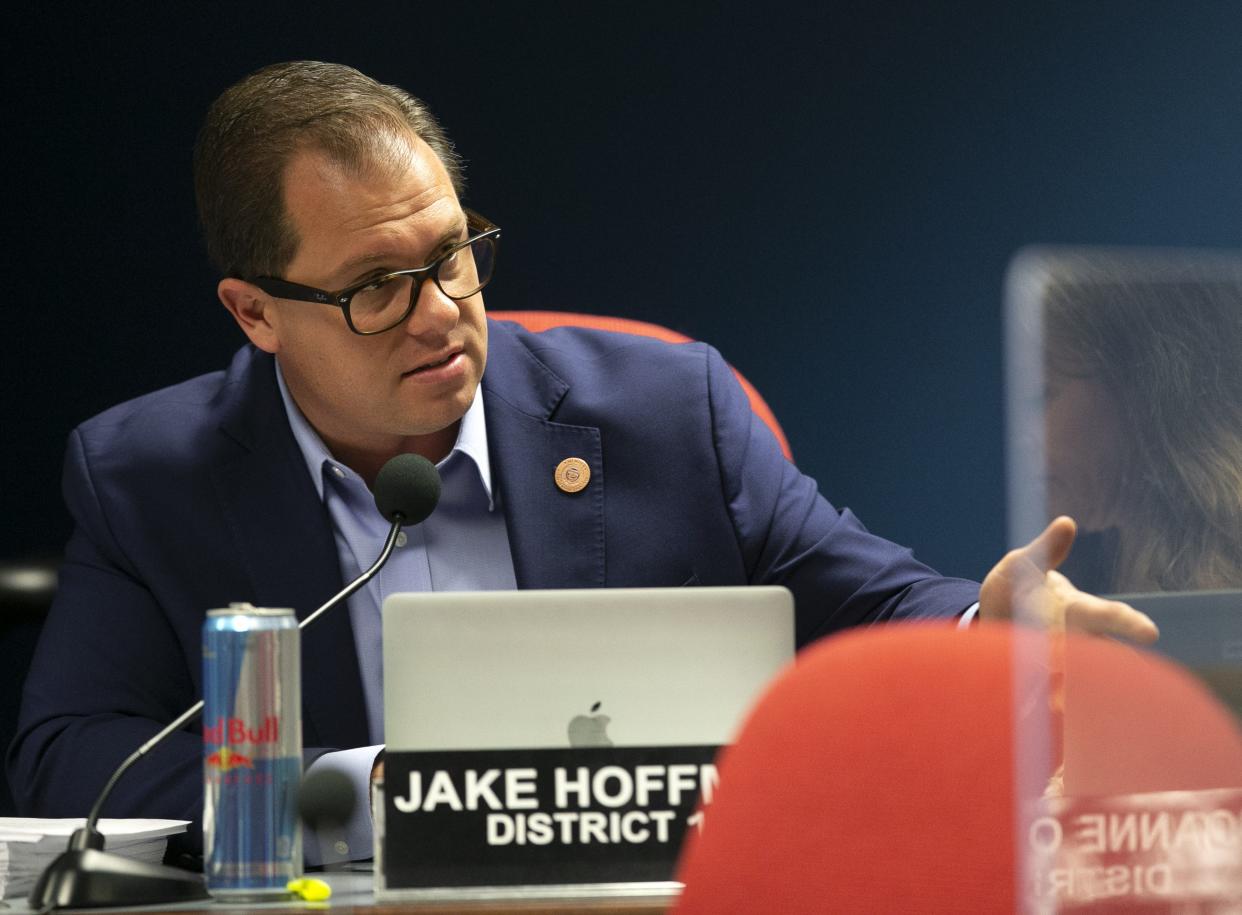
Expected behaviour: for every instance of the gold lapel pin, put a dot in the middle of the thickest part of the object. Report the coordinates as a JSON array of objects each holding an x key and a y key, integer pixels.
[{"x": 572, "y": 475}]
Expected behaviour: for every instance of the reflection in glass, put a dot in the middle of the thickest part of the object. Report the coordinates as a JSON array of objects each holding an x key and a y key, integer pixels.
[{"x": 1143, "y": 425}]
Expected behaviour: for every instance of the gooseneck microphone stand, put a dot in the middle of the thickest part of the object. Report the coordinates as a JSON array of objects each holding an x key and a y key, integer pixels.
[{"x": 407, "y": 489}]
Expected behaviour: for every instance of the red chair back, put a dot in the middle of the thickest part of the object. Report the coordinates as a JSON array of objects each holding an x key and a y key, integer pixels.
[
  {"x": 878, "y": 773},
  {"x": 1134, "y": 724},
  {"x": 542, "y": 320}
]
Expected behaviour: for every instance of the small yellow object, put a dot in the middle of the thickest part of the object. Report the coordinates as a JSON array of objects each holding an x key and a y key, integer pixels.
[{"x": 310, "y": 889}]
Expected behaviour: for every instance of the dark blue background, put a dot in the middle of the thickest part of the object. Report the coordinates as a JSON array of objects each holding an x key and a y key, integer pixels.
[{"x": 828, "y": 192}]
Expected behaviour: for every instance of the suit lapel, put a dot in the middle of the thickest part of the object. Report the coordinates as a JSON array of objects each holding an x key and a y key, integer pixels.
[
  {"x": 285, "y": 543},
  {"x": 556, "y": 538}
]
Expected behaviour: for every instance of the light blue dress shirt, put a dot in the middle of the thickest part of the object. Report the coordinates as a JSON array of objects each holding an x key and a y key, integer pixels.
[{"x": 462, "y": 546}]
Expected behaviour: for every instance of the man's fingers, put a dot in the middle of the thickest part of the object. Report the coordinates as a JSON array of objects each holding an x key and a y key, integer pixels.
[
  {"x": 1110, "y": 617},
  {"x": 1052, "y": 546},
  {"x": 1026, "y": 586}
]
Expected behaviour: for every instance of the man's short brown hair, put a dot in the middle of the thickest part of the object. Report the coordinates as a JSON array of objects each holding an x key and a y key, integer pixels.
[{"x": 255, "y": 127}]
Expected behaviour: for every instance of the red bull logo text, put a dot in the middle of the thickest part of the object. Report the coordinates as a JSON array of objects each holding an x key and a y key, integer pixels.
[{"x": 238, "y": 730}]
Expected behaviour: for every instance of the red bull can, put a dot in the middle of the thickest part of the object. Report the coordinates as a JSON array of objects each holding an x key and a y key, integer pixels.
[{"x": 252, "y": 752}]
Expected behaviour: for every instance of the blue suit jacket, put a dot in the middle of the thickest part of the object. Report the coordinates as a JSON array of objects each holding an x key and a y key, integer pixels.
[{"x": 196, "y": 495}]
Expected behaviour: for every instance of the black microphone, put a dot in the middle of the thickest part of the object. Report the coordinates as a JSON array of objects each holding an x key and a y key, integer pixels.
[
  {"x": 406, "y": 489},
  {"x": 326, "y": 801}
]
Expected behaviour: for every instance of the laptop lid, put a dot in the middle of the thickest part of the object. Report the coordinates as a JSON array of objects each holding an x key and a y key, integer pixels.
[{"x": 547, "y": 669}]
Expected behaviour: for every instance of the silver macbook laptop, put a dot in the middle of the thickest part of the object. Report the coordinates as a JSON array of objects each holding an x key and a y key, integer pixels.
[{"x": 546, "y": 669}]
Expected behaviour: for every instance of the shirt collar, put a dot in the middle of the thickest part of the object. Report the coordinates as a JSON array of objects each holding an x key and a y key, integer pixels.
[{"x": 471, "y": 442}]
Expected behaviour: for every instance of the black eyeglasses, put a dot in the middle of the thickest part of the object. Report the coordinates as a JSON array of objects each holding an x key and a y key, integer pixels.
[{"x": 381, "y": 303}]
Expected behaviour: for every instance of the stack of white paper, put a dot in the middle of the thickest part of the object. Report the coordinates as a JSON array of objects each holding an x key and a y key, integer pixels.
[{"x": 28, "y": 845}]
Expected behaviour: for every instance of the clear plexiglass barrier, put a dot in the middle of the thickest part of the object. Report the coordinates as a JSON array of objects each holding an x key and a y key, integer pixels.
[{"x": 1124, "y": 403}]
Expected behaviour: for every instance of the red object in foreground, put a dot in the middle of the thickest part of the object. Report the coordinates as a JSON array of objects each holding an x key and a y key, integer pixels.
[{"x": 878, "y": 775}]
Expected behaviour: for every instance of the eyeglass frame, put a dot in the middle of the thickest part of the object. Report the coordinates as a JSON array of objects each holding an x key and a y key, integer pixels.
[{"x": 297, "y": 292}]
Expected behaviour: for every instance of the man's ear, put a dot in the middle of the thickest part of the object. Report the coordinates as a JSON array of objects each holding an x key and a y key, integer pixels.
[{"x": 249, "y": 306}]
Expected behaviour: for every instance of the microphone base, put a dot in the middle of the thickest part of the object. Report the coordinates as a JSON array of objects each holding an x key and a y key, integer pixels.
[{"x": 87, "y": 878}]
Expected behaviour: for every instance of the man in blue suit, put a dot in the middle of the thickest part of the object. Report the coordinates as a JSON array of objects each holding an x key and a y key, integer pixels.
[{"x": 331, "y": 205}]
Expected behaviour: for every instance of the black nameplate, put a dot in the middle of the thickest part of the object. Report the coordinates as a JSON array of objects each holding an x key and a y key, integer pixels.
[{"x": 538, "y": 817}]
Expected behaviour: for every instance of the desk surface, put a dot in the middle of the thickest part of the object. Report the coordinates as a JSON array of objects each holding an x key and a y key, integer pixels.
[{"x": 352, "y": 892}]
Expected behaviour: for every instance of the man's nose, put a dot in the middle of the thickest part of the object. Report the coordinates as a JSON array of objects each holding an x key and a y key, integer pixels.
[{"x": 434, "y": 312}]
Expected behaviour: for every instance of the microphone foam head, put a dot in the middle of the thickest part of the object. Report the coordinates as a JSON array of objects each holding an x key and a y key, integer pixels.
[
  {"x": 326, "y": 799},
  {"x": 408, "y": 486}
]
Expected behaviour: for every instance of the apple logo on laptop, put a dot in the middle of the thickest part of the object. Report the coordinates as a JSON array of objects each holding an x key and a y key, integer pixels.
[{"x": 589, "y": 730}]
